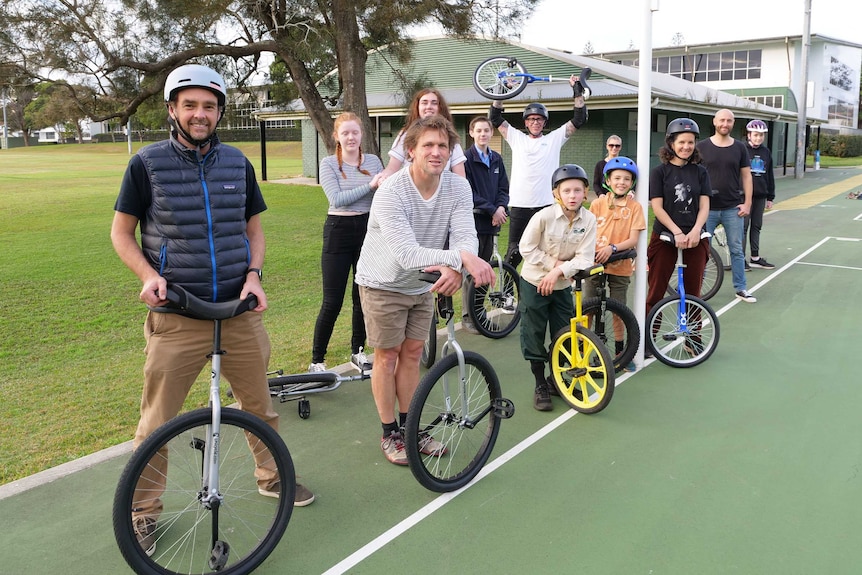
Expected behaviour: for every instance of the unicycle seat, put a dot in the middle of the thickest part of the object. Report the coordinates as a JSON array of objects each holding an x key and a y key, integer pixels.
[{"x": 184, "y": 302}]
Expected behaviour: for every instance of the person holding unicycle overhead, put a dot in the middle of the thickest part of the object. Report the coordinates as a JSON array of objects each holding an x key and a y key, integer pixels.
[
  {"x": 198, "y": 206},
  {"x": 534, "y": 156}
]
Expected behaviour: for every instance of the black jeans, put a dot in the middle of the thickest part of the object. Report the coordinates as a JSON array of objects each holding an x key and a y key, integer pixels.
[
  {"x": 518, "y": 220},
  {"x": 342, "y": 242},
  {"x": 754, "y": 221}
]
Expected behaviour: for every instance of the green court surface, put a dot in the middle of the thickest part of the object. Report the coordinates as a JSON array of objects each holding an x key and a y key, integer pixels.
[{"x": 748, "y": 463}]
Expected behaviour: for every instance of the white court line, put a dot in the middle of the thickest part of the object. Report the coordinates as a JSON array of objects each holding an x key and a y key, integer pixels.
[{"x": 400, "y": 528}]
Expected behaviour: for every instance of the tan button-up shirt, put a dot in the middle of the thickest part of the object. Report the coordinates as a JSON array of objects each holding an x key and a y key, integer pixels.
[{"x": 550, "y": 237}]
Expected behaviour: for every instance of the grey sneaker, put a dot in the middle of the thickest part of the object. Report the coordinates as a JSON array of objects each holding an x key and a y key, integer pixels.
[
  {"x": 393, "y": 448},
  {"x": 360, "y": 361},
  {"x": 316, "y": 367},
  {"x": 145, "y": 531},
  {"x": 303, "y": 496},
  {"x": 745, "y": 296},
  {"x": 430, "y": 446},
  {"x": 467, "y": 325}
]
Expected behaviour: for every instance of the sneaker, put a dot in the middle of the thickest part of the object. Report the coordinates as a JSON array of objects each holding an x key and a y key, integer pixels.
[
  {"x": 630, "y": 367},
  {"x": 508, "y": 304},
  {"x": 762, "y": 264},
  {"x": 360, "y": 361},
  {"x": 747, "y": 266},
  {"x": 145, "y": 531},
  {"x": 393, "y": 448},
  {"x": 303, "y": 495},
  {"x": 542, "y": 399},
  {"x": 467, "y": 326},
  {"x": 316, "y": 367},
  {"x": 430, "y": 446},
  {"x": 745, "y": 296}
]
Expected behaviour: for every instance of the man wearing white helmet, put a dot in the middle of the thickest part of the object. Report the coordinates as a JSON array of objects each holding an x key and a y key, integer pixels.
[
  {"x": 763, "y": 190},
  {"x": 198, "y": 206}
]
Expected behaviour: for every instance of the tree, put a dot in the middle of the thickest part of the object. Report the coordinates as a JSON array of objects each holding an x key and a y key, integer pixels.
[
  {"x": 60, "y": 104},
  {"x": 124, "y": 50}
]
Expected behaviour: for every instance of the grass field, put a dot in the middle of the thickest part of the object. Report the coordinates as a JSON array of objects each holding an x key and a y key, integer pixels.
[{"x": 70, "y": 320}]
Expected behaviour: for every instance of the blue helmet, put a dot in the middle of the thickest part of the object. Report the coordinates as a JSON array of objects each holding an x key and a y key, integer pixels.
[{"x": 621, "y": 163}]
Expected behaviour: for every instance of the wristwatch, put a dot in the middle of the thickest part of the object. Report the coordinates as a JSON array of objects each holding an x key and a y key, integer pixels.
[
  {"x": 258, "y": 271},
  {"x": 613, "y": 248}
]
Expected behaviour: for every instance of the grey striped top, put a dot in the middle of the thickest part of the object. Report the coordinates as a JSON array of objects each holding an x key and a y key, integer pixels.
[
  {"x": 352, "y": 194},
  {"x": 406, "y": 233}
]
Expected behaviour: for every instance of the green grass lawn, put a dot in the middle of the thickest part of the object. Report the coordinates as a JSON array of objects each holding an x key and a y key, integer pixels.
[{"x": 71, "y": 335}]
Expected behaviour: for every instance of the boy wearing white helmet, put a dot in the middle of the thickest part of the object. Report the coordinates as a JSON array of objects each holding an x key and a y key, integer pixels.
[{"x": 763, "y": 179}]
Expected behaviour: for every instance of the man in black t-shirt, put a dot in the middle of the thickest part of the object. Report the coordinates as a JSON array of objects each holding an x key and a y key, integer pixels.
[{"x": 726, "y": 160}]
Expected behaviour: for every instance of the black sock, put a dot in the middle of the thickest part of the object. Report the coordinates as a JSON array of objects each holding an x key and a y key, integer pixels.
[
  {"x": 402, "y": 418},
  {"x": 389, "y": 429},
  {"x": 538, "y": 369},
  {"x": 618, "y": 345}
]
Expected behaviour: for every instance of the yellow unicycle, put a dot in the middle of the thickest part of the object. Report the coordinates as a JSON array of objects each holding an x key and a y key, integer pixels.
[{"x": 582, "y": 367}]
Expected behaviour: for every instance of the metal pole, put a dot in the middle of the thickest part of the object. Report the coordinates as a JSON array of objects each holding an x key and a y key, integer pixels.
[
  {"x": 799, "y": 172},
  {"x": 5, "y": 145},
  {"x": 643, "y": 162}
]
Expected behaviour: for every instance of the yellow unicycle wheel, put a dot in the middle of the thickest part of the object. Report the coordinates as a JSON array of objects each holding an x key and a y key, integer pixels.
[{"x": 582, "y": 368}]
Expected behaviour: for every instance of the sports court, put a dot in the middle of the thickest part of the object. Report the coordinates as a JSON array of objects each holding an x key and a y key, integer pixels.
[{"x": 749, "y": 463}]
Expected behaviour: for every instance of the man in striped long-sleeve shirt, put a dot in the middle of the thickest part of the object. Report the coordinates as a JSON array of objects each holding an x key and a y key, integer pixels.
[{"x": 415, "y": 212}]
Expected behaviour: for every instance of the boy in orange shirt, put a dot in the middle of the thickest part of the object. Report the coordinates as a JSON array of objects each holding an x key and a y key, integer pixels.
[{"x": 619, "y": 222}]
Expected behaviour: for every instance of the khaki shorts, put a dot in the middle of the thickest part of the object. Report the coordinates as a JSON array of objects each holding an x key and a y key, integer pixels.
[{"x": 392, "y": 317}]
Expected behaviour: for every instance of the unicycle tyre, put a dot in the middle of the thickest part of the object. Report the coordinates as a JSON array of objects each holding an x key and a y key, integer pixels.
[
  {"x": 429, "y": 348},
  {"x": 678, "y": 347},
  {"x": 494, "y": 308},
  {"x": 583, "y": 370},
  {"x": 618, "y": 319},
  {"x": 713, "y": 276},
  {"x": 248, "y": 525},
  {"x": 490, "y": 83},
  {"x": 465, "y": 420}
]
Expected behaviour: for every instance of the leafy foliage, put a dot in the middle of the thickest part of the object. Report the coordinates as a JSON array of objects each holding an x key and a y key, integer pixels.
[{"x": 121, "y": 51}]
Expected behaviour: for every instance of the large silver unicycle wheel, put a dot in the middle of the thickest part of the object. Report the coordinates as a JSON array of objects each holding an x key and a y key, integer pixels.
[
  {"x": 452, "y": 424},
  {"x": 195, "y": 531}
]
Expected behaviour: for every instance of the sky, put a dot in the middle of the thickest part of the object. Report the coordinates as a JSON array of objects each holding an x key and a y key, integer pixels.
[{"x": 570, "y": 24}]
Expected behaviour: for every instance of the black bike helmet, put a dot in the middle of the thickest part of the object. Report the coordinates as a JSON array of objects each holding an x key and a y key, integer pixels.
[
  {"x": 536, "y": 109},
  {"x": 568, "y": 172},
  {"x": 681, "y": 125}
]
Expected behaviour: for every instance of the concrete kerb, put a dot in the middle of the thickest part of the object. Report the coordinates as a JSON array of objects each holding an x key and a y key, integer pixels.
[{"x": 65, "y": 469}]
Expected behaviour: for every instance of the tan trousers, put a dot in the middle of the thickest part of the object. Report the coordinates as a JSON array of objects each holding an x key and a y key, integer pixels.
[{"x": 177, "y": 348}]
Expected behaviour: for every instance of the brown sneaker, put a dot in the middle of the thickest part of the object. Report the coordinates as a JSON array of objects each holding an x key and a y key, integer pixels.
[
  {"x": 393, "y": 448},
  {"x": 145, "y": 531},
  {"x": 542, "y": 399},
  {"x": 303, "y": 495}
]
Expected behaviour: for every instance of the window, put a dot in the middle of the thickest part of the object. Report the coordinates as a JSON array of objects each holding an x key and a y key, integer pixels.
[
  {"x": 840, "y": 112},
  {"x": 771, "y": 101},
  {"x": 709, "y": 67}
]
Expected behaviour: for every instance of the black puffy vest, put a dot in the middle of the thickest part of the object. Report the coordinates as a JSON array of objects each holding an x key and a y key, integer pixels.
[{"x": 195, "y": 230}]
